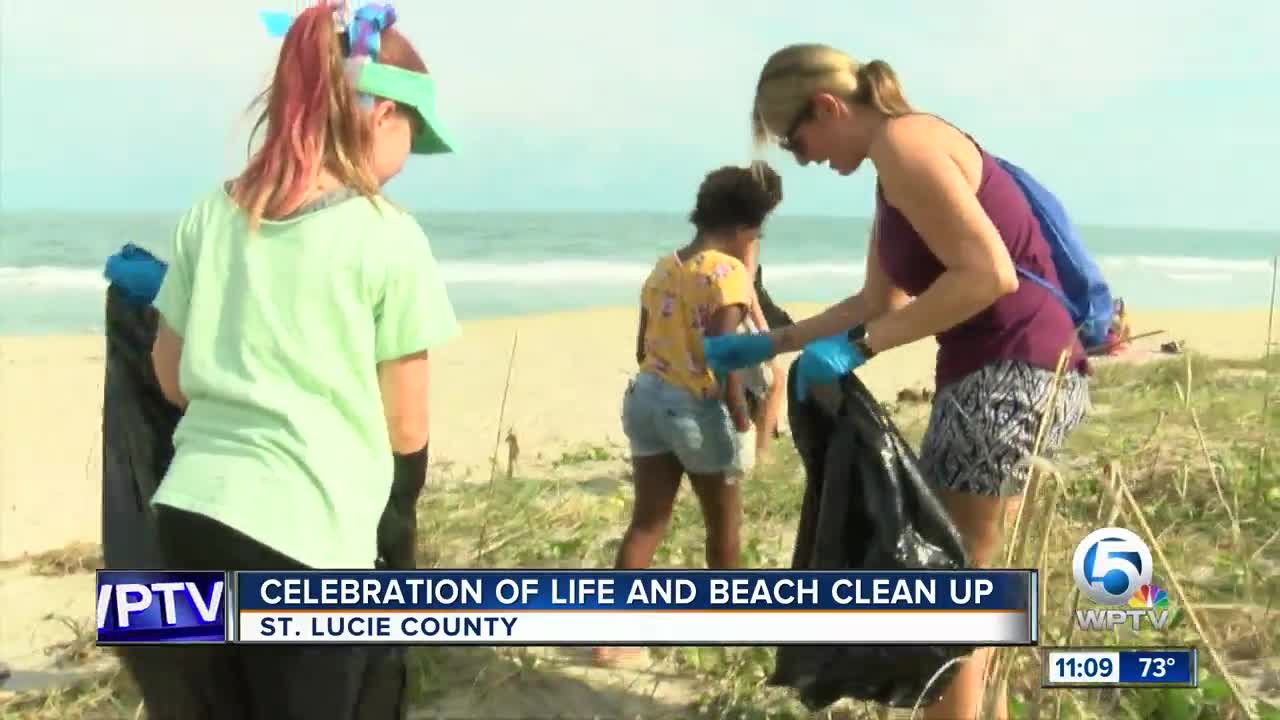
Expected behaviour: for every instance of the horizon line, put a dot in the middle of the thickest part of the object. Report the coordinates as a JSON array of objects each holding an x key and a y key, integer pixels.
[{"x": 8, "y": 212}]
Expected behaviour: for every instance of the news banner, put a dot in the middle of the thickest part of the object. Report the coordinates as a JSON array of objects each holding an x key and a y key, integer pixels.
[
  {"x": 581, "y": 607},
  {"x": 569, "y": 607}
]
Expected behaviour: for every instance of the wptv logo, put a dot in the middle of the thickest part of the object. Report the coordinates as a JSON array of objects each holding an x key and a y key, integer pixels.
[
  {"x": 1112, "y": 567},
  {"x": 152, "y": 606}
]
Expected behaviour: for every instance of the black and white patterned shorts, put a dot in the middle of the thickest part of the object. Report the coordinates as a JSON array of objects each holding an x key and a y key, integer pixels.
[{"x": 983, "y": 427}]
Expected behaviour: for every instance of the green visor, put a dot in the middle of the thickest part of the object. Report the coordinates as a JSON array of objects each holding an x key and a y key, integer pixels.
[{"x": 418, "y": 91}]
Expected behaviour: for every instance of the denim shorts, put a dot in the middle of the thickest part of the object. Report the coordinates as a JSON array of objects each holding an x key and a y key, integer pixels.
[{"x": 659, "y": 417}]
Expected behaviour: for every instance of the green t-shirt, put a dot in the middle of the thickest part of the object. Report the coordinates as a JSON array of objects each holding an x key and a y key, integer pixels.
[{"x": 284, "y": 437}]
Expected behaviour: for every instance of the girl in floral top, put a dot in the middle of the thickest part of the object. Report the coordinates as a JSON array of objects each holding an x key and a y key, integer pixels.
[{"x": 679, "y": 418}]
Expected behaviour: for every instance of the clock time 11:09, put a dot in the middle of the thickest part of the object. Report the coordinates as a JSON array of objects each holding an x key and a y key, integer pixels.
[{"x": 1085, "y": 667}]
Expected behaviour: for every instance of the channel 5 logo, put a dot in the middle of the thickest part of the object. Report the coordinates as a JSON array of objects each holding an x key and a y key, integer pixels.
[{"x": 1112, "y": 567}]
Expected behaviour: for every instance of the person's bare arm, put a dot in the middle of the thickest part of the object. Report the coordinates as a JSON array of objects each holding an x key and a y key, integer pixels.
[
  {"x": 932, "y": 193},
  {"x": 166, "y": 357},
  {"x": 877, "y": 297},
  {"x": 405, "y": 386},
  {"x": 766, "y": 419},
  {"x": 725, "y": 321},
  {"x": 757, "y": 315},
  {"x": 751, "y": 261},
  {"x": 641, "y": 327},
  {"x": 769, "y": 410}
]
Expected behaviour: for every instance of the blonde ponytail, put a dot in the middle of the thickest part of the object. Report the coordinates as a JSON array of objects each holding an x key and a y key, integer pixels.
[
  {"x": 793, "y": 75},
  {"x": 878, "y": 88}
]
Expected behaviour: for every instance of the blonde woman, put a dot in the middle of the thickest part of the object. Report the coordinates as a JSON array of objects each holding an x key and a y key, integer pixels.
[{"x": 951, "y": 229}]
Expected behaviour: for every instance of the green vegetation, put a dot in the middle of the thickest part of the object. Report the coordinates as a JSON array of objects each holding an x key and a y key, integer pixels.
[{"x": 1183, "y": 443}]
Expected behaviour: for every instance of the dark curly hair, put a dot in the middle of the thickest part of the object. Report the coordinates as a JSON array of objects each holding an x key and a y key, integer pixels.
[{"x": 732, "y": 197}]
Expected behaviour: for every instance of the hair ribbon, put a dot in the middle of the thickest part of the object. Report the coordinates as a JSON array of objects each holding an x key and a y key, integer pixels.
[
  {"x": 363, "y": 31},
  {"x": 361, "y": 35},
  {"x": 276, "y": 23}
]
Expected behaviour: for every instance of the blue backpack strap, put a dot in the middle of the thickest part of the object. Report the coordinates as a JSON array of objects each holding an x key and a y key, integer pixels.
[{"x": 1062, "y": 298}]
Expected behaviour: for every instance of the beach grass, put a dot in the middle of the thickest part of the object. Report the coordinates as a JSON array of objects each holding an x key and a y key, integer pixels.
[{"x": 1176, "y": 450}]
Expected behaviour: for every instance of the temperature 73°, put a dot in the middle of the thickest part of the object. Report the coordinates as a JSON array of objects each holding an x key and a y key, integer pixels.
[{"x": 1156, "y": 666}]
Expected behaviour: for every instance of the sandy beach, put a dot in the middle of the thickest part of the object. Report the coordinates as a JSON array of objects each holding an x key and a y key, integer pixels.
[
  {"x": 568, "y": 373},
  {"x": 567, "y": 376}
]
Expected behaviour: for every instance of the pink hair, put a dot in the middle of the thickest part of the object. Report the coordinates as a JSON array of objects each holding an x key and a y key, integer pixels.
[{"x": 313, "y": 120}]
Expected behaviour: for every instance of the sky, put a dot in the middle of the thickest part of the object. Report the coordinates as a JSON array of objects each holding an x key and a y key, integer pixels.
[{"x": 1133, "y": 113}]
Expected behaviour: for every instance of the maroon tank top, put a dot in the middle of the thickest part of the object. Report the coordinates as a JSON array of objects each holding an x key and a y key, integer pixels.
[{"x": 1029, "y": 325}]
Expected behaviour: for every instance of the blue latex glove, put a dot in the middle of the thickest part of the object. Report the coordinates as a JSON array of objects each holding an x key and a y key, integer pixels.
[
  {"x": 136, "y": 273},
  {"x": 725, "y": 353},
  {"x": 826, "y": 361}
]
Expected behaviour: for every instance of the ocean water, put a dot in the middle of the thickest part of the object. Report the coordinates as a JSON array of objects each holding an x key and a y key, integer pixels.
[{"x": 508, "y": 264}]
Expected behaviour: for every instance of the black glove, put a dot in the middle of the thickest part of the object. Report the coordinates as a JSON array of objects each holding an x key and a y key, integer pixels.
[{"x": 398, "y": 527}]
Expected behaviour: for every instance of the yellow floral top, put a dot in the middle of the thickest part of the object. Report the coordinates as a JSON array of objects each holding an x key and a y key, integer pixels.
[{"x": 679, "y": 300}]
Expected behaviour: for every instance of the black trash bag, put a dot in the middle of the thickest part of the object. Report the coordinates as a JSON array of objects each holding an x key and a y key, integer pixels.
[
  {"x": 774, "y": 315},
  {"x": 138, "y": 424},
  {"x": 137, "y": 434},
  {"x": 866, "y": 507}
]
